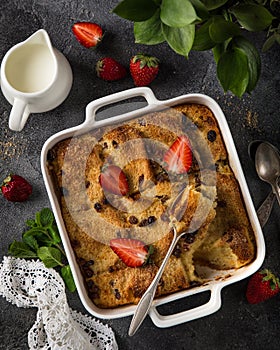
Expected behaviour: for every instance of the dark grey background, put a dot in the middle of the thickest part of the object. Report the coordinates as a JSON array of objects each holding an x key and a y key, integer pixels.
[{"x": 237, "y": 325}]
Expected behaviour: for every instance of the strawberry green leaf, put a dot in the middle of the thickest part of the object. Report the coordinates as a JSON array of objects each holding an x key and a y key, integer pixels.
[
  {"x": 68, "y": 278},
  {"x": 232, "y": 71},
  {"x": 149, "y": 32},
  {"x": 179, "y": 39},
  {"x": 220, "y": 30},
  {"x": 21, "y": 250},
  {"x": 135, "y": 10},
  {"x": 252, "y": 17},
  {"x": 177, "y": 13},
  {"x": 50, "y": 256},
  {"x": 253, "y": 58}
]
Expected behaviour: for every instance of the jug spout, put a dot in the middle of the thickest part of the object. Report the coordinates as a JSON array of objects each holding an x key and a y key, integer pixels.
[{"x": 40, "y": 37}]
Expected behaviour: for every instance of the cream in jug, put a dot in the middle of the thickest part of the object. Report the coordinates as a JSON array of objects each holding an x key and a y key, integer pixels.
[{"x": 35, "y": 78}]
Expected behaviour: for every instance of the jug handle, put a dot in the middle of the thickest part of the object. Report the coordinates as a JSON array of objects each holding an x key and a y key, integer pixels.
[{"x": 19, "y": 115}]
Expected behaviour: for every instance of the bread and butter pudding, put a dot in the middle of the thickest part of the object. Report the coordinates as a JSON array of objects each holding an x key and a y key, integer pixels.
[{"x": 119, "y": 188}]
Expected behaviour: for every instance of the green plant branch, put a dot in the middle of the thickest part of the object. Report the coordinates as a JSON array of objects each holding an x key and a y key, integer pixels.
[{"x": 202, "y": 25}]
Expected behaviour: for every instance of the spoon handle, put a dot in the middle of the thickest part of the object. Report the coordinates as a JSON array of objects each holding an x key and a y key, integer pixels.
[
  {"x": 276, "y": 189},
  {"x": 145, "y": 302},
  {"x": 264, "y": 210}
]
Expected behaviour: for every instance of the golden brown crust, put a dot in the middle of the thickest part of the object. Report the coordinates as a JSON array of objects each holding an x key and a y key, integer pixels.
[{"x": 209, "y": 208}]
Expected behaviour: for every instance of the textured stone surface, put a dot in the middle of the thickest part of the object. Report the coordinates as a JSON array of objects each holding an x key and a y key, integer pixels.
[{"x": 236, "y": 325}]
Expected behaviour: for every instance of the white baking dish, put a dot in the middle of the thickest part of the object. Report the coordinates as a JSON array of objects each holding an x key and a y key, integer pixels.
[{"x": 217, "y": 279}]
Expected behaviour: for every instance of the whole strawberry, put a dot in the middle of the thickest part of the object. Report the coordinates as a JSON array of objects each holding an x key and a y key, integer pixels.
[
  {"x": 109, "y": 69},
  {"x": 16, "y": 189},
  {"x": 262, "y": 285},
  {"x": 143, "y": 69}
]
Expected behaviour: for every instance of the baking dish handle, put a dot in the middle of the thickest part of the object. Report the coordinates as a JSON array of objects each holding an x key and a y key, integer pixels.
[
  {"x": 213, "y": 305},
  {"x": 93, "y": 106}
]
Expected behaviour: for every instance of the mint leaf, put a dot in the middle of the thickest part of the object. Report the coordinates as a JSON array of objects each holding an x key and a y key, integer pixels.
[
  {"x": 68, "y": 279},
  {"x": 41, "y": 241},
  {"x": 252, "y": 17},
  {"x": 50, "y": 256},
  {"x": 53, "y": 230},
  {"x": 21, "y": 250},
  {"x": 38, "y": 232},
  {"x": 253, "y": 58},
  {"x": 232, "y": 71},
  {"x": 31, "y": 223},
  {"x": 149, "y": 32},
  {"x": 177, "y": 13},
  {"x": 136, "y": 10},
  {"x": 46, "y": 217},
  {"x": 220, "y": 30},
  {"x": 31, "y": 242},
  {"x": 179, "y": 39}
]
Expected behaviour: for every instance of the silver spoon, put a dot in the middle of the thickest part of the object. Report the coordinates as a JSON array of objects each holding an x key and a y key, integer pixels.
[
  {"x": 268, "y": 166},
  {"x": 265, "y": 208},
  {"x": 146, "y": 300}
]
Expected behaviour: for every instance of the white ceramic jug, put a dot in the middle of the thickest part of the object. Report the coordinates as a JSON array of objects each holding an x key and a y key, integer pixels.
[{"x": 35, "y": 78}]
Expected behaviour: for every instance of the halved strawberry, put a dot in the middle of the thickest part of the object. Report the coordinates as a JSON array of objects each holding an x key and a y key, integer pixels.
[
  {"x": 132, "y": 252},
  {"x": 113, "y": 180},
  {"x": 178, "y": 158},
  {"x": 88, "y": 34}
]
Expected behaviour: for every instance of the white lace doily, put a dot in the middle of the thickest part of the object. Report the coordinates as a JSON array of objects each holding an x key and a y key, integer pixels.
[{"x": 57, "y": 327}]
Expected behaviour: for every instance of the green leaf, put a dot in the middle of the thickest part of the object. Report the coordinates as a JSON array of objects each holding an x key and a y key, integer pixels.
[
  {"x": 31, "y": 242},
  {"x": 213, "y": 4},
  {"x": 136, "y": 10},
  {"x": 68, "y": 278},
  {"x": 54, "y": 234},
  {"x": 177, "y": 13},
  {"x": 252, "y": 17},
  {"x": 277, "y": 37},
  {"x": 200, "y": 9},
  {"x": 218, "y": 50},
  {"x": 202, "y": 40},
  {"x": 253, "y": 58},
  {"x": 149, "y": 32},
  {"x": 220, "y": 30},
  {"x": 31, "y": 223},
  {"x": 37, "y": 232},
  {"x": 46, "y": 217},
  {"x": 50, "y": 256},
  {"x": 179, "y": 39},
  {"x": 270, "y": 41},
  {"x": 21, "y": 250},
  {"x": 232, "y": 71}
]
